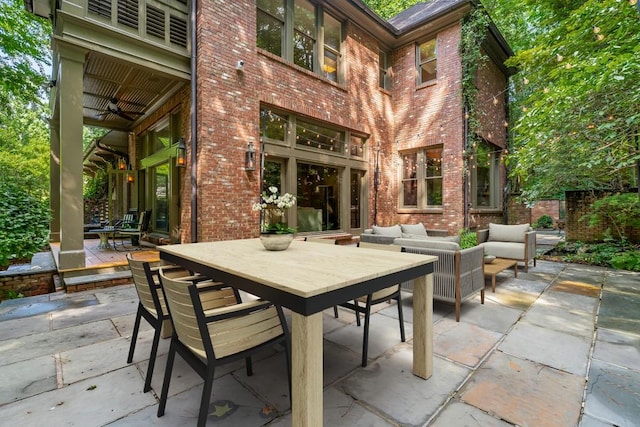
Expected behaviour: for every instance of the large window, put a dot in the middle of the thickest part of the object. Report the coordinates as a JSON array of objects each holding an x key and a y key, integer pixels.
[
  {"x": 161, "y": 198},
  {"x": 427, "y": 61},
  {"x": 308, "y": 37},
  {"x": 323, "y": 165},
  {"x": 320, "y": 137},
  {"x": 270, "y": 25},
  {"x": 485, "y": 176},
  {"x": 318, "y": 195},
  {"x": 421, "y": 179}
]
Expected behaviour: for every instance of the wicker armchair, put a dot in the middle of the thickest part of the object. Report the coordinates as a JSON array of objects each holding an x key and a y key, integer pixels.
[{"x": 458, "y": 274}]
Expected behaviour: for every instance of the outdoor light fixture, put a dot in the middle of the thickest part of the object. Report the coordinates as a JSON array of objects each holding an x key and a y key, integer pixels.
[
  {"x": 121, "y": 164},
  {"x": 250, "y": 157},
  {"x": 130, "y": 175},
  {"x": 181, "y": 154}
]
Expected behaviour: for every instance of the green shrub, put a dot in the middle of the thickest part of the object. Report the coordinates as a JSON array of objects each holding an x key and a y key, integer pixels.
[
  {"x": 24, "y": 222},
  {"x": 621, "y": 211},
  {"x": 468, "y": 239},
  {"x": 545, "y": 221},
  {"x": 614, "y": 254}
]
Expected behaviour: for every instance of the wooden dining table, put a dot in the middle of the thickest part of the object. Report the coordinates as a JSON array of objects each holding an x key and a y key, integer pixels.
[{"x": 308, "y": 278}]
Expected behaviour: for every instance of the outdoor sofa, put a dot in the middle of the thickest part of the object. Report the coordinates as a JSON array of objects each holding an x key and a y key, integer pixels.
[
  {"x": 386, "y": 235},
  {"x": 458, "y": 274},
  {"x": 517, "y": 242}
]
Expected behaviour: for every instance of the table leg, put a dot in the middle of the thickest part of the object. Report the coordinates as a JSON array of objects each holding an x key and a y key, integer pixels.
[
  {"x": 515, "y": 270},
  {"x": 104, "y": 241},
  {"x": 423, "y": 326},
  {"x": 306, "y": 364},
  {"x": 493, "y": 283}
]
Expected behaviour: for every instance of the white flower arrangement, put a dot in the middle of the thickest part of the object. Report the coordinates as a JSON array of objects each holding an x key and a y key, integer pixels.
[{"x": 274, "y": 205}]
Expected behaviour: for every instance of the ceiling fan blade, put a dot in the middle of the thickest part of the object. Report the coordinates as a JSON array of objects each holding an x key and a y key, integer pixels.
[{"x": 126, "y": 116}]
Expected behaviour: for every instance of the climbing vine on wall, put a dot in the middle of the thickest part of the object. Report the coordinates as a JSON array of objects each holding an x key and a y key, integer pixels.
[{"x": 474, "y": 33}]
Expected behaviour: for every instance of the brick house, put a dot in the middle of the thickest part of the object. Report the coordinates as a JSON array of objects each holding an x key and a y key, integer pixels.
[{"x": 327, "y": 91}]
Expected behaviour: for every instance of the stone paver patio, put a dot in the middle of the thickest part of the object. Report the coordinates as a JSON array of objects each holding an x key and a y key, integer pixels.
[{"x": 559, "y": 346}]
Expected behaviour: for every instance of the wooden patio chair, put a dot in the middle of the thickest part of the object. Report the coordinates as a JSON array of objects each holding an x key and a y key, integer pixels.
[
  {"x": 151, "y": 306},
  {"x": 135, "y": 234},
  {"x": 386, "y": 294},
  {"x": 226, "y": 331}
]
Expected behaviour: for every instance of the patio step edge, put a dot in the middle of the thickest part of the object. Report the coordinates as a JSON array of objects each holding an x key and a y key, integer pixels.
[{"x": 97, "y": 281}]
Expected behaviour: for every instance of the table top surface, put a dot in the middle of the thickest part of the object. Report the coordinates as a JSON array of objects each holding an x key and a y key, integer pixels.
[
  {"x": 305, "y": 269},
  {"x": 498, "y": 265}
]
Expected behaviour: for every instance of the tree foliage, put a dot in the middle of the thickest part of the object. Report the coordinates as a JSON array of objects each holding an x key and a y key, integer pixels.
[
  {"x": 389, "y": 8},
  {"x": 24, "y": 55},
  {"x": 575, "y": 114}
]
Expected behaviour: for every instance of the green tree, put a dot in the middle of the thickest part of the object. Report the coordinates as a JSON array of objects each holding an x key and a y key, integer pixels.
[
  {"x": 24, "y": 56},
  {"x": 389, "y": 8},
  {"x": 575, "y": 114}
]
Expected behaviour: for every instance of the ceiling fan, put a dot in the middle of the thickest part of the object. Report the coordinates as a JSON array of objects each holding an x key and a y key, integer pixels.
[{"x": 113, "y": 108}]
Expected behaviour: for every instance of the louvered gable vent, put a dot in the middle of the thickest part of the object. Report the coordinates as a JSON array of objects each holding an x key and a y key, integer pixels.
[
  {"x": 178, "y": 31},
  {"x": 128, "y": 13},
  {"x": 100, "y": 8},
  {"x": 155, "y": 21}
]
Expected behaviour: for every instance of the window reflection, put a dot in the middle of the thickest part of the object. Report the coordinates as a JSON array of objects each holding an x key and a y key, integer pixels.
[
  {"x": 318, "y": 195},
  {"x": 160, "y": 198}
]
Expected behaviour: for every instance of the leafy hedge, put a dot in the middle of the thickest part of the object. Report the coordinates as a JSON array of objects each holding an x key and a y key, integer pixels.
[
  {"x": 614, "y": 254},
  {"x": 24, "y": 223}
]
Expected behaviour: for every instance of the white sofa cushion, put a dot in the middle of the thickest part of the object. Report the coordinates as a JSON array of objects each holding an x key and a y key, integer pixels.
[
  {"x": 507, "y": 233},
  {"x": 414, "y": 229},
  {"x": 393, "y": 231},
  {"x": 509, "y": 250},
  {"x": 428, "y": 243}
]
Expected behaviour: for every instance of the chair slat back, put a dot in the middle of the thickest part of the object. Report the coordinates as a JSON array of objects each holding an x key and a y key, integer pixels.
[
  {"x": 183, "y": 313},
  {"x": 230, "y": 336},
  {"x": 144, "y": 289}
]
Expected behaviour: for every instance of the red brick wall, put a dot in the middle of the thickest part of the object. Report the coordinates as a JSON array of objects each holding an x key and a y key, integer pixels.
[
  {"x": 431, "y": 114},
  {"x": 27, "y": 284},
  {"x": 546, "y": 207},
  {"x": 491, "y": 101},
  {"x": 578, "y": 204},
  {"x": 404, "y": 118}
]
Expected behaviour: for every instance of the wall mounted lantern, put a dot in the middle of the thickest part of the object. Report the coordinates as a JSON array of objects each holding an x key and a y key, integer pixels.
[
  {"x": 121, "y": 164},
  {"x": 181, "y": 154},
  {"x": 250, "y": 157},
  {"x": 131, "y": 175}
]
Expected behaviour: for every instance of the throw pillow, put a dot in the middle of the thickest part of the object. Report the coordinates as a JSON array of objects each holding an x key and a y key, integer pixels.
[
  {"x": 507, "y": 233},
  {"x": 417, "y": 229},
  {"x": 393, "y": 231}
]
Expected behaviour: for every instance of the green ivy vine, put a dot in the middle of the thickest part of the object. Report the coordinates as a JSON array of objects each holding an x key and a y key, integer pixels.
[{"x": 474, "y": 33}]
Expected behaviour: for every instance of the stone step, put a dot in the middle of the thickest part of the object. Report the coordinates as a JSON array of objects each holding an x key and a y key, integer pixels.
[{"x": 97, "y": 281}]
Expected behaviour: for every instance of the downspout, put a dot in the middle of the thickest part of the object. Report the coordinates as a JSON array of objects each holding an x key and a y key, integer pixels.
[
  {"x": 194, "y": 123},
  {"x": 465, "y": 177}
]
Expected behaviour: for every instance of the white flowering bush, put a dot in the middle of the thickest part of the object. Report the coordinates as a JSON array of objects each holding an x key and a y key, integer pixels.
[{"x": 274, "y": 206}]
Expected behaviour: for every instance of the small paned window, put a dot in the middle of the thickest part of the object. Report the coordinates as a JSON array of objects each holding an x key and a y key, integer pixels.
[
  {"x": 271, "y": 25},
  {"x": 421, "y": 179},
  {"x": 383, "y": 77},
  {"x": 427, "y": 61}
]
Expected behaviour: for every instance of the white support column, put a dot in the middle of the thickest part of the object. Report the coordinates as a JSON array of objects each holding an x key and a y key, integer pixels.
[
  {"x": 70, "y": 76},
  {"x": 54, "y": 180}
]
